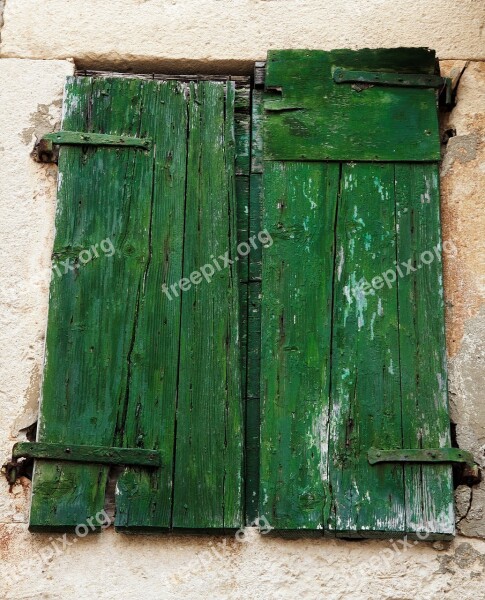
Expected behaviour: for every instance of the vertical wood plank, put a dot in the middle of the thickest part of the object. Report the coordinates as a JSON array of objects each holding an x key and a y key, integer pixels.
[
  {"x": 299, "y": 213},
  {"x": 144, "y": 497},
  {"x": 104, "y": 194},
  {"x": 429, "y": 488},
  {"x": 365, "y": 395},
  {"x": 208, "y": 456}
]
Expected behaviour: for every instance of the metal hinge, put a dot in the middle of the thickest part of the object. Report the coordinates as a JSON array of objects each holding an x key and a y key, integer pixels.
[
  {"x": 428, "y": 455},
  {"x": 365, "y": 79},
  {"x": 107, "y": 455},
  {"x": 45, "y": 152}
]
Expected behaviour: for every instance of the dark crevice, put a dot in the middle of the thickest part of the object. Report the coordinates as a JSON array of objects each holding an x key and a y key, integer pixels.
[
  {"x": 114, "y": 473},
  {"x": 397, "y": 257},
  {"x": 229, "y": 238},
  {"x": 333, "y": 509},
  {"x": 124, "y": 404}
]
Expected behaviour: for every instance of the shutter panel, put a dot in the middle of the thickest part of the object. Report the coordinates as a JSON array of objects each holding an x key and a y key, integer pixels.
[
  {"x": 125, "y": 365},
  {"x": 345, "y": 368}
]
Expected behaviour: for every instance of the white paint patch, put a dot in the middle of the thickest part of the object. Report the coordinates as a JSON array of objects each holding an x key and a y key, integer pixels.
[
  {"x": 373, "y": 318},
  {"x": 341, "y": 258},
  {"x": 320, "y": 441}
]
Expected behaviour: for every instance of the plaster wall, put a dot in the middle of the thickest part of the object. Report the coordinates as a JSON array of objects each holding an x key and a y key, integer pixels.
[{"x": 37, "y": 41}]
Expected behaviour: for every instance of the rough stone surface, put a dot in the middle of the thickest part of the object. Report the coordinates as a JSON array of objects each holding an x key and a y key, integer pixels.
[
  {"x": 462, "y": 183},
  {"x": 111, "y": 566},
  {"x": 188, "y": 35},
  {"x": 2, "y": 6},
  {"x": 30, "y": 96}
]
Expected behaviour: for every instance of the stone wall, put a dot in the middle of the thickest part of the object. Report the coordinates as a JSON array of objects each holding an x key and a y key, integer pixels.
[{"x": 40, "y": 43}]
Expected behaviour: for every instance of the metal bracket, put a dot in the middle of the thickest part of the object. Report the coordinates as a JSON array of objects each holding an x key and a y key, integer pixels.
[
  {"x": 80, "y": 138},
  {"x": 392, "y": 79},
  {"x": 414, "y": 80},
  {"x": 428, "y": 455},
  {"x": 107, "y": 455},
  {"x": 45, "y": 152},
  {"x": 419, "y": 455}
]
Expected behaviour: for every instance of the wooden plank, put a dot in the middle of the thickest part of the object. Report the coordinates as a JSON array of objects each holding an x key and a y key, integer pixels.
[
  {"x": 257, "y": 132},
  {"x": 239, "y": 80},
  {"x": 91, "y": 315},
  {"x": 144, "y": 498},
  {"x": 310, "y": 117},
  {"x": 429, "y": 488},
  {"x": 299, "y": 213},
  {"x": 209, "y": 453},
  {"x": 365, "y": 407}
]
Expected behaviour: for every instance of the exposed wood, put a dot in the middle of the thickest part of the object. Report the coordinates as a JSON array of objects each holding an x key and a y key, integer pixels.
[
  {"x": 365, "y": 399},
  {"x": 424, "y": 380},
  {"x": 237, "y": 79},
  {"x": 259, "y": 74},
  {"x": 299, "y": 212}
]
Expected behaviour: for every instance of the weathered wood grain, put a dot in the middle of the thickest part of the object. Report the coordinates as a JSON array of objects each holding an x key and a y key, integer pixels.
[
  {"x": 127, "y": 365},
  {"x": 144, "y": 498},
  {"x": 209, "y": 439},
  {"x": 310, "y": 117},
  {"x": 365, "y": 397},
  {"x": 384, "y": 358},
  {"x": 426, "y": 424},
  {"x": 299, "y": 213},
  {"x": 92, "y": 307}
]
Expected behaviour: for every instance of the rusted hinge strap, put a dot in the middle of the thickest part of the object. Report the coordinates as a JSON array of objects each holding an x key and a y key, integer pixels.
[
  {"x": 418, "y": 455},
  {"x": 392, "y": 79},
  {"x": 80, "y": 138},
  {"x": 88, "y": 454}
]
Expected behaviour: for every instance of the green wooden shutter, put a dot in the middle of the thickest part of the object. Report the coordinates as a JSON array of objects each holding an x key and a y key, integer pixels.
[
  {"x": 351, "y": 192},
  {"x": 127, "y": 367}
]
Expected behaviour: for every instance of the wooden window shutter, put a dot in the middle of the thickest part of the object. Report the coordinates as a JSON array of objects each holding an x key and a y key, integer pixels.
[
  {"x": 351, "y": 151},
  {"x": 126, "y": 367}
]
